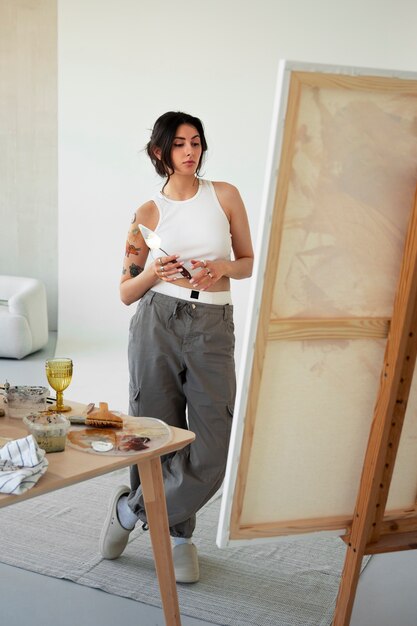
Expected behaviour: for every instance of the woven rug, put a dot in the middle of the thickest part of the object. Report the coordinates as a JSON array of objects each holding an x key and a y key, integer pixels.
[{"x": 291, "y": 583}]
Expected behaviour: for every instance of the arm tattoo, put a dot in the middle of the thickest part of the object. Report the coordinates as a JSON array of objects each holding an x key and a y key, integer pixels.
[
  {"x": 131, "y": 249},
  {"x": 135, "y": 270},
  {"x": 134, "y": 218},
  {"x": 124, "y": 270}
]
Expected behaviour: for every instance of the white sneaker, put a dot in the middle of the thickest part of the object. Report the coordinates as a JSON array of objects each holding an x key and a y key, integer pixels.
[
  {"x": 186, "y": 563},
  {"x": 114, "y": 538}
]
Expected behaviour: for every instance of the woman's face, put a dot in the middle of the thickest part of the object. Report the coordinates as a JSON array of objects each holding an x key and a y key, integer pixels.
[{"x": 186, "y": 150}]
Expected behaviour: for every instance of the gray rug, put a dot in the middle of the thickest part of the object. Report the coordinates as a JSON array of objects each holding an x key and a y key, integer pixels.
[{"x": 293, "y": 583}]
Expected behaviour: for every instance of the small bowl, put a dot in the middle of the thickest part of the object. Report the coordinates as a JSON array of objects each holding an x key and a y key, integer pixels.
[
  {"x": 20, "y": 400},
  {"x": 49, "y": 429}
]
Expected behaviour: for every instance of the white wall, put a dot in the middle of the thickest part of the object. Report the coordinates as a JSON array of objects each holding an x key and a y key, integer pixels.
[{"x": 124, "y": 62}]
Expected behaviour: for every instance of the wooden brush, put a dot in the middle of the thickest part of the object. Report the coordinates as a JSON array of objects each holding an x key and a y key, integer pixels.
[{"x": 103, "y": 418}]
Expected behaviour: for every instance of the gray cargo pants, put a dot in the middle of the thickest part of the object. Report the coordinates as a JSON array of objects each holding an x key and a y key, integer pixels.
[{"x": 181, "y": 364}]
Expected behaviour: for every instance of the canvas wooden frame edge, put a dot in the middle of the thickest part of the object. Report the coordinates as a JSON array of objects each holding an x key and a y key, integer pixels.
[
  {"x": 285, "y": 70},
  {"x": 277, "y": 127}
]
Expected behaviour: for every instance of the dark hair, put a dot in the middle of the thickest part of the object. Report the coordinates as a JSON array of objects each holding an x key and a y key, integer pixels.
[{"x": 162, "y": 137}]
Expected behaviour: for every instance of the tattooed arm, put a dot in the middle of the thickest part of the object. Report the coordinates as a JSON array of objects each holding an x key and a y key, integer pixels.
[{"x": 136, "y": 280}]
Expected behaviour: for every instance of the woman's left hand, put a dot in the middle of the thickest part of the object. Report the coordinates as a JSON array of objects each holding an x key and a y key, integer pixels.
[{"x": 209, "y": 275}]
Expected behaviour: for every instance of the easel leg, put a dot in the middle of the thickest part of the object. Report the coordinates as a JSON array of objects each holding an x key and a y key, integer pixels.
[
  {"x": 396, "y": 377},
  {"x": 347, "y": 589},
  {"x": 156, "y": 512}
]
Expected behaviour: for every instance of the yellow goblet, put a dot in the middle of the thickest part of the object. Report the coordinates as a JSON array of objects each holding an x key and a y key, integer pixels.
[{"x": 59, "y": 374}]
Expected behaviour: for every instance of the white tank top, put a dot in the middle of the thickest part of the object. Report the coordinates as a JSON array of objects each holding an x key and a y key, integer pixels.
[{"x": 196, "y": 228}]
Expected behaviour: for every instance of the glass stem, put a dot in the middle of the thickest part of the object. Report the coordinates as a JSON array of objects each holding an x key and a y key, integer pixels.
[{"x": 59, "y": 400}]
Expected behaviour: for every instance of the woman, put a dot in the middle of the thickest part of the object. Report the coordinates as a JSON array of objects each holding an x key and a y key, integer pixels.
[{"x": 181, "y": 338}]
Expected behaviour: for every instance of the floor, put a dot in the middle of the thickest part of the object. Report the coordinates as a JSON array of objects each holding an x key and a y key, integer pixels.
[{"x": 386, "y": 594}]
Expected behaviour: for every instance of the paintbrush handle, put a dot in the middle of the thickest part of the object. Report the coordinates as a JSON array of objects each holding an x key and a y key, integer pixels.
[{"x": 183, "y": 271}]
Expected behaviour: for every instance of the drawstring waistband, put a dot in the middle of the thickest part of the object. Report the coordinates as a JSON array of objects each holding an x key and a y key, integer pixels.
[{"x": 179, "y": 306}]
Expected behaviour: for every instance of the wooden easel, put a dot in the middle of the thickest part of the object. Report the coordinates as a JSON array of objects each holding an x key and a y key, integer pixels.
[{"x": 371, "y": 532}]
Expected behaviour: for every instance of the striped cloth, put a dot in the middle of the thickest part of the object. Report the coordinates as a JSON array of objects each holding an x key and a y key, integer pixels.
[{"x": 22, "y": 463}]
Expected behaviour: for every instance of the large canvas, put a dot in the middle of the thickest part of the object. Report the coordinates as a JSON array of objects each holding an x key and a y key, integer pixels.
[{"x": 340, "y": 186}]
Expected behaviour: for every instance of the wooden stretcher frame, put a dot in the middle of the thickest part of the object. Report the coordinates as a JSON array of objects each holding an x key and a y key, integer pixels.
[{"x": 262, "y": 328}]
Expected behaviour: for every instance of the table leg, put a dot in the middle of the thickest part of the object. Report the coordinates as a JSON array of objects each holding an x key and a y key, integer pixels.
[{"x": 150, "y": 472}]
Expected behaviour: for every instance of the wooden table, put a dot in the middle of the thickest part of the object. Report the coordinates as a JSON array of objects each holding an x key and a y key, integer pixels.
[{"x": 73, "y": 466}]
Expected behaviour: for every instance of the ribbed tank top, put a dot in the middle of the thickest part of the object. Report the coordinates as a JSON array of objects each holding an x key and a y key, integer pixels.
[{"x": 196, "y": 228}]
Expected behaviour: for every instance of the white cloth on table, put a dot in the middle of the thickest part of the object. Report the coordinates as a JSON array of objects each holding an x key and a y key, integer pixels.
[{"x": 22, "y": 463}]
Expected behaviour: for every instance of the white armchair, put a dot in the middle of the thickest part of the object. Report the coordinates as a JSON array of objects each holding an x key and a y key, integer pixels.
[{"x": 23, "y": 316}]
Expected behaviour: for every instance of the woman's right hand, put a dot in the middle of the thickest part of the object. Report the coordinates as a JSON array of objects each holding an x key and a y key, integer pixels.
[{"x": 167, "y": 268}]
